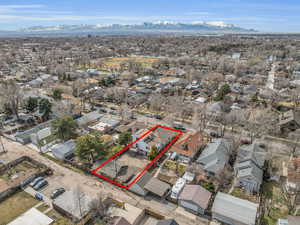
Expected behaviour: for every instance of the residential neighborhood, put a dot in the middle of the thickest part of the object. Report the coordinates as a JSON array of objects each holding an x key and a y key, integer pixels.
[{"x": 144, "y": 129}]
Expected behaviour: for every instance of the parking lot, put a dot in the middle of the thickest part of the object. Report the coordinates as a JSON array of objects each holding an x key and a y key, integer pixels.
[{"x": 54, "y": 182}]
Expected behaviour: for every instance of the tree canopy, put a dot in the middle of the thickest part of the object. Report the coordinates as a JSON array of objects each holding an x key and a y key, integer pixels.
[
  {"x": 57, "y": 94},
  {"x": 154, "y": 152},
  {"x": 125, "y": 138},
  {"x": 89, "y": 148},
  {"x": 32, "y": 104},
  {"x": 224, "y": 90},
  {"x": 64, "y": 128},
  {"x": 45, "y": 108}
]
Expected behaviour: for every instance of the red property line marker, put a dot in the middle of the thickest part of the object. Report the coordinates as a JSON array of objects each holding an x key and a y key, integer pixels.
[{"x": 94, "y": 172}]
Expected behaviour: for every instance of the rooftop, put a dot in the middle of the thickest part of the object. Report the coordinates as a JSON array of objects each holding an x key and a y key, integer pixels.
[{"x": 235, "y": 208}]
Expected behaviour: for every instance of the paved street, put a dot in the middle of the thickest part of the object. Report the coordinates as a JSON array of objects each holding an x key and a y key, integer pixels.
[
  {"x": 271, "y": 78},
  {"x": 67, "y": 178}
]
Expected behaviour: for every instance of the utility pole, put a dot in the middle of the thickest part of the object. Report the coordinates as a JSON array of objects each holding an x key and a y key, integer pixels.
[{"x": 1, "y": 134}]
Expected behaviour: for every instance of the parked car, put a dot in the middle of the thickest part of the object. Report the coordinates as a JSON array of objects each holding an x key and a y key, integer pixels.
[
  {"x": 214, "y": 135},
  {"x": 245, "y": 142},
  {"x": 39, "y": 196},
  {"x": 40, "y": 185},
  {"x": 35, "y": 181},
  {"x": 102, "y": 110},
  {"x": 158, "y": 117},
  {"x": 57, "y": 193}
]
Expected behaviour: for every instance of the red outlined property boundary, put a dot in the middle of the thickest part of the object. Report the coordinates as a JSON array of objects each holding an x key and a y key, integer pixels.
[{"x": 94, "y": 172}]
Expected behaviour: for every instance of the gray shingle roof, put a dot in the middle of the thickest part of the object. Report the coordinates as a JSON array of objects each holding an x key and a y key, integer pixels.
[
  {"x": 167, "y": 222},
  {"x": 215, "y": 155},
  {"x": 63, "y": 150},
  {"x": 89, "y": 117}
]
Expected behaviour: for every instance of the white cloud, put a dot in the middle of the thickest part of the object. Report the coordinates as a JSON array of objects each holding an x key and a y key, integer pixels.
[{"x": 21, "y": 6}]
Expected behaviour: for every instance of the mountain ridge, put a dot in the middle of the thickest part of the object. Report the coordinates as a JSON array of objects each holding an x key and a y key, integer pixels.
[{"x": 214, "y": 26}]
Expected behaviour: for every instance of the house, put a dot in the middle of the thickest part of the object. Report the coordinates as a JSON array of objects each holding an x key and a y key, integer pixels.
[
  {"x": 291, "y": 220},
  {"x": 134, "y": 215},
  {"x": 282, "y": 222},
  {"x": 63, "y": 150},
  {"x": 25, "y": 136},
  {"x": 119, "y": 220},
  {"x": 32, "y": 217},
  {"x": 177, "y": 188},
  {"x": 214, "y": 109},
  {"x": 89, "y": 118},
  {"x": 249, "y": 167},
  {"x": 194, "y": 198},
  {"x": 189, "y": 145},
  {"x": 139, "y": 186},
  {"x": 293, "y": 175},
  {"x": 157, "y": 187},
  {"x": 106, "y": 124},
  {"x": 74, "y": 204},
  {"x": 40, "y": 136},
  {"x": 234, "y": 211},
  {"x": 118, "y": 171},
  {"x": 159, "y": 138},
  {"x": 289, "y": 121},
  {"x": 215, "y": 156},
  {"x": 167, "y": 222}
]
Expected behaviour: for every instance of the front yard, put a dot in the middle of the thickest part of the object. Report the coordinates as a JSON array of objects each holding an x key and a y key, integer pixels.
[{"x": 14, "y": 206}]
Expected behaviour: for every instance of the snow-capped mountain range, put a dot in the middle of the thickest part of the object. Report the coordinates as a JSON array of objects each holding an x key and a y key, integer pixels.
[{"x": 161, "y": 26}]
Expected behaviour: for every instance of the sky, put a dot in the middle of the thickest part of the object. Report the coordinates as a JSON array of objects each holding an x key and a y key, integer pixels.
[{"x": 262, "y": 15}]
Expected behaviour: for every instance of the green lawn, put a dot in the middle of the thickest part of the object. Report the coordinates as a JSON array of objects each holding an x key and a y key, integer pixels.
[
  {"x": 58, "y": 218},
  {"x": 240, "y": 193},
  {"x": 172, "y": 166},
  {"x": 14, "y": 206},
  {"x": 42, "y": 207}
]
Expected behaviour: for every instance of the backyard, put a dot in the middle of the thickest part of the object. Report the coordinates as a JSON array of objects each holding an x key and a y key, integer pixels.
[
  {"x": 58, "y": 218},
  {"x": 276, "y": 204},
  {"x": 15, "y": 205},
  {"x": 240, "y": 193},
  {"x": 24, "y": 168},
  {"x": 176, "y": 167}
]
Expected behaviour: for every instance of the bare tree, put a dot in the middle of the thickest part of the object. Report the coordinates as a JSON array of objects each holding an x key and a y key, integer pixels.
[
  {"x": 100, "y": 207},
  {"x": 79, "y": 198},
  {"x": 11, "y": 95},
  {"x": 63, "y": 108}
]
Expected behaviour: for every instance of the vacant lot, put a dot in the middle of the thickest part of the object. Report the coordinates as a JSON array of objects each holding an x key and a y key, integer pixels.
[
  {"x": 24, "y": 168},
  {"x": 14, "y": 206},
  {"x": 115, "y": 63}
]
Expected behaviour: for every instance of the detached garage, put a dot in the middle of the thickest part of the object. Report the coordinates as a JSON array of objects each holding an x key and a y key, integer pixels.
[{"x": 194, "y": 198}]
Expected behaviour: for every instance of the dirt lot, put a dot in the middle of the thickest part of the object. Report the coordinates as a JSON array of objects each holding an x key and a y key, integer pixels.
[
  {"x": 137, "y": 161},
  {"x": 113, "y": 63}
]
